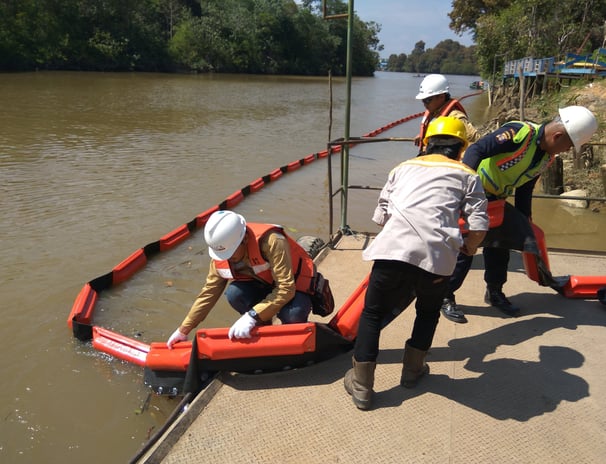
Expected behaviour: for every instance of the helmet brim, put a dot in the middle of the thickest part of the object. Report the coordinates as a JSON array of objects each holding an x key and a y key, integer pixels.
[
  {"x": 423, "y": 96},
  {"x": 223, "y": 233},
  {"x": 223, "y": 254}
]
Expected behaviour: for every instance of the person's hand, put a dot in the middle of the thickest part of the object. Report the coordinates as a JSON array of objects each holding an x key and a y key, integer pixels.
[
  {"x": 417, "y": 141},
  {"x": 472, "y": 241},
  {"x": 469, "y": 247},
  {"x": 466, "y": 251},
  {"x": 177, "y": 336},
  {"x": 242, "y": 327}
]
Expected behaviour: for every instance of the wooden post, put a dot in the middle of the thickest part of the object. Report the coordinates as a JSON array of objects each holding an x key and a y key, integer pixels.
[
  {"x": 603, "y": 171},
  {"x": 553, "y": 178},
  {"x": 522, "y": 90},
  {"x": 577, "y": 159}
]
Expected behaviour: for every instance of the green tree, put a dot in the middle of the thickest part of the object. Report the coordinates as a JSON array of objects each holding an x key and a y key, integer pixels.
[
  {"x": 414, "y": 59},
  {"x": 313, "y": 48},
  {"x": 252, "y": 36},
  {"x": 192, "y": 44},
  {"x": 397, "y": 63},
  {"x": 466, "y": 13},
  {"x": 30, "y": 34},
  {"x": 536, "y": 28}
]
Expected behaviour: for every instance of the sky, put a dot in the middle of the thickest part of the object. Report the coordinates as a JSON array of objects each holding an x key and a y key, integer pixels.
[{"x": 405, "y": 22}]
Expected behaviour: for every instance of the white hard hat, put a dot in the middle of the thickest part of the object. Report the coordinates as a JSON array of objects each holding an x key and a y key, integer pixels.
[
  {"x": 223, "y": 233},
  {"x": 580, "y": 123},
  {"x": 434, "y": 84}
]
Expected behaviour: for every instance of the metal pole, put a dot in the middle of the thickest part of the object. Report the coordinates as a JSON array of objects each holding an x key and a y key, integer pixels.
[{"x": 345, "y": 150}]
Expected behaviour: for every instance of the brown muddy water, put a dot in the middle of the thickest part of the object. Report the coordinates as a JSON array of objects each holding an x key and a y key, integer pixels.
[{"x": 94, "y": 166}]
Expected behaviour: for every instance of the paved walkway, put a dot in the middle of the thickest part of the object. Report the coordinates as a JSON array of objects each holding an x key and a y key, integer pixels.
[{"x": 530, "y": 389}]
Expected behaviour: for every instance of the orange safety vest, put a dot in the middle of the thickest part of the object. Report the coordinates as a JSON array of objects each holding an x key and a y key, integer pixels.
[
  {"x": 452, "y": 104},
  {"x": 303, "y": 267}
]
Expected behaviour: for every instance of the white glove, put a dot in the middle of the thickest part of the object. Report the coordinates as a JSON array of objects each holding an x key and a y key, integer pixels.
[
  {"x": 242, "y": 327},
  {"x": 177, "y": 336}
]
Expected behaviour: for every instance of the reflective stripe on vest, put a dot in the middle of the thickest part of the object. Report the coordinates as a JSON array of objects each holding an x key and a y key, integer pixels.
[
  {"x": 303, "y": 267},
  {"x": 503, "y": 173}
]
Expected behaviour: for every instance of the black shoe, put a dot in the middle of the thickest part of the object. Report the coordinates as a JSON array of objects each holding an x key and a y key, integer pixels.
[
  {"x": 450, "y": 311},
  {"x": 498, "y": 299}
]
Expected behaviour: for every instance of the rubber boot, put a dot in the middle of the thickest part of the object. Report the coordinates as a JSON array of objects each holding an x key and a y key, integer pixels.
[
  {"x": 359, "y": 381},
  {"x": 413, "y": 366}
]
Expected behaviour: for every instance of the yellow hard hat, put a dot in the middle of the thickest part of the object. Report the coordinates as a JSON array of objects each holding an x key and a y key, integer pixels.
[{"x": 449, "y": 126}]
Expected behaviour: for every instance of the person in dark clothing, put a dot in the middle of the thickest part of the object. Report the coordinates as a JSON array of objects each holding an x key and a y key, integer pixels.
[
  {"x": 509, "y": 161},
  {"x": 415, "y": 253}
]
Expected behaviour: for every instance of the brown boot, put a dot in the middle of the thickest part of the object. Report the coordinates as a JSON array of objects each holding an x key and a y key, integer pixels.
[
  {"x": 359, "y": 382},
  {"x": 414, "y": 366}
]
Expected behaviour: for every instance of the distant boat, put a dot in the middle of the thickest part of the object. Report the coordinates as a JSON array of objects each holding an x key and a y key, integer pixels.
[{"x": 477, "y": 85}]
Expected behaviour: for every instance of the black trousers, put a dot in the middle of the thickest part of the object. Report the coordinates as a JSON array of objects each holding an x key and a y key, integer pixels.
[
  {"x": 496, "y": 262},
  {"x": 515, "y": 233},
  {"x": 391, "y": 285}
]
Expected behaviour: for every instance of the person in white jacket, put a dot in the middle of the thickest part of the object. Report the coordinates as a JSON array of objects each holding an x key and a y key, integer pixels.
[{"x": 416, "y": 251}]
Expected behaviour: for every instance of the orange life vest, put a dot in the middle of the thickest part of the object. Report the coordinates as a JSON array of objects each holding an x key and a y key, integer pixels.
[
  {"x": 303, "y": 267},
  {"x": 452, "y": 104}
]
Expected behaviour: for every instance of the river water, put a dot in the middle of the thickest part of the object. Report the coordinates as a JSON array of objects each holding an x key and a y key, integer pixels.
[{"x": 94, "y": 166}]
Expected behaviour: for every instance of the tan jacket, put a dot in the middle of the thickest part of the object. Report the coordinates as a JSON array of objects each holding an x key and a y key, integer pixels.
[{"x": 275, "y": 248}]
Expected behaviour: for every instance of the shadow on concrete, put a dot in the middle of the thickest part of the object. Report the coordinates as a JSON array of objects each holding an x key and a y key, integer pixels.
[{"x": 506, "y": 388}]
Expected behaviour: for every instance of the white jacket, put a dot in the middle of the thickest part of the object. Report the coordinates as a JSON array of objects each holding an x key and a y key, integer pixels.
[{"x": 419, "y": 209}]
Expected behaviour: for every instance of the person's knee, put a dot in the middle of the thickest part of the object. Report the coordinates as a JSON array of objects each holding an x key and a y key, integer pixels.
[
  {"x": 241, "y": 297},
  {"x": 233, "y": 294},
  {"x": 294, "y": 315},
  {"x": 297, "y": 310}
]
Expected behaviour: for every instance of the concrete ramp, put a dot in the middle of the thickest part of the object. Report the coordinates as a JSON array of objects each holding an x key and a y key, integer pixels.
[{"x": 530, "y": 389}]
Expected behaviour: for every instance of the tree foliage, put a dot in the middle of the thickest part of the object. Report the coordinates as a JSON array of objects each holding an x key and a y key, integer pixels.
[
  {"x": 448, "y": 57},
  {"x": 512, "y": 29},
  {"x": 250, "y": 36}
]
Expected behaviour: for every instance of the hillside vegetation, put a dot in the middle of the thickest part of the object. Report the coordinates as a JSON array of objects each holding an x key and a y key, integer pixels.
[
  {"x": 514, "y": 29},
  {"x": 235, "y": 36},
  {"x": 587, "y": 173}
]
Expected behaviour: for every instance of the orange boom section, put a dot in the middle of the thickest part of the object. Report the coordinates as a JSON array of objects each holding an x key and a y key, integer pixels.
[
  {"x": 347, "y": 319},
  {"x": 174, "y": 238},
  {"x": 584, "y": 286},
  {"x": 530, "y": 260},
  {"x": 84, "y": 306},
  {"x": 124, "y": 271},
  {"x": 496, "y": 212},
  {"x": 160, "y": 358},
  {"x": 283, "y": 340},
  {"x": 120, "y": 346}
]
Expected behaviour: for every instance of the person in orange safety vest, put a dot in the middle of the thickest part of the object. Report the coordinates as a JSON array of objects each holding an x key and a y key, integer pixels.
[
  {"x": 434, "y": 92},
  {"x": 269, "y": 275}
]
